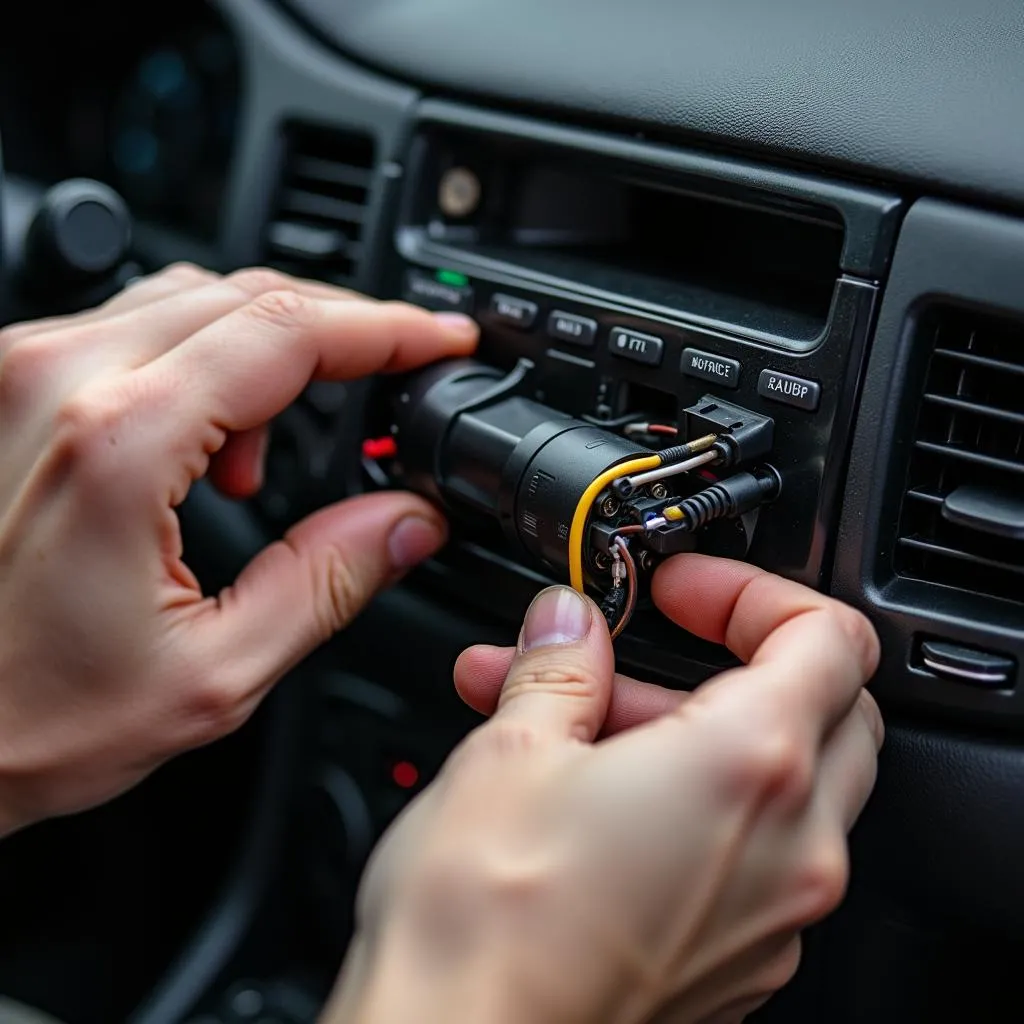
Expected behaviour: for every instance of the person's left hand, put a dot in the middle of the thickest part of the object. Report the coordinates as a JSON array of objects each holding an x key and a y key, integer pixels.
[{"x": 111, "y": 659}]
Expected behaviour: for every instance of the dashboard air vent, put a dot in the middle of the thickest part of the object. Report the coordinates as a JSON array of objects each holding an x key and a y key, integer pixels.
[
  {"x": 962, "y": 521},
  {"x": 316, "y": 226}
]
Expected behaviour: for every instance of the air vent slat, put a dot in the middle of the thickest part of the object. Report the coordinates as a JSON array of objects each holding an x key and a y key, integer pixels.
[
  {"x": 969, "y": 435},
  {"x": 969, "y": 358},
  {"x": 977, "y": 409},
  {"x": 965, "y": 455},
  {"x": 962, "y": 556},
  {"x": 315, "y": 169},
  {"x": 927, "y": 496},
  {"x": 317, "y": 224},
  {"x": 323, "y": 207}
]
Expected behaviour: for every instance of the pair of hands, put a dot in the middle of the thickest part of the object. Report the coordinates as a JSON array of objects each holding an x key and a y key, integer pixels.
[{"x": 600, "y": 849}]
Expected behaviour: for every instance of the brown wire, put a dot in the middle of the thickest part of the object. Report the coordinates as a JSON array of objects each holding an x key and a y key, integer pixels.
[
  {"x": 633, "y": 528},
  {"x": 631, "y": 593}
]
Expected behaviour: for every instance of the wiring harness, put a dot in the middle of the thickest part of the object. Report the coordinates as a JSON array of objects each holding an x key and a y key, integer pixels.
[{"x": 600, "y": 500}]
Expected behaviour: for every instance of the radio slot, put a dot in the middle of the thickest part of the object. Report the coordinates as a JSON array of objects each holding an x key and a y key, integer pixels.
[{"x": 734, "y": 255}]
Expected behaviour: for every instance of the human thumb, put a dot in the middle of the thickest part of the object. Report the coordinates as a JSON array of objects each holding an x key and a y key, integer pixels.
[
  {"x": 299, "y": 591},
  {"x": 560, "y": 680}
]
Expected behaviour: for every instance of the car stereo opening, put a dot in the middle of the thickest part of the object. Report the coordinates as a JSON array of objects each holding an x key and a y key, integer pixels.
[{"x": 761, "y": 261}]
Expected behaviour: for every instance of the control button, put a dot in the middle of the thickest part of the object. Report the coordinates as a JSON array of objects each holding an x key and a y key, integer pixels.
[
  {"x": 641, "y": 348},
  {"x": 784, "y": 387},
  {"x": 514, "y": 311},
  {"x": 425, "y": 290},
  {"x": 707, "y": 366},
  {"x": 577, "y": 330}
]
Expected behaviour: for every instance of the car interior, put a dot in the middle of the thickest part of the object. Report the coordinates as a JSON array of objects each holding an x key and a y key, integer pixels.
[{"x": 750, "y": 279}]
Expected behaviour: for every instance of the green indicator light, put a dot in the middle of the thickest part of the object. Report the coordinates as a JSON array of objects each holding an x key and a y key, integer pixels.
[{"x": 452, "y": 277}]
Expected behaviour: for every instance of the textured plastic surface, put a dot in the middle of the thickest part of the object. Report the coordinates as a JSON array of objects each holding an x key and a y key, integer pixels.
[
  {"x": 964, "y": 257},
  {"x": 921, "y": 90}
]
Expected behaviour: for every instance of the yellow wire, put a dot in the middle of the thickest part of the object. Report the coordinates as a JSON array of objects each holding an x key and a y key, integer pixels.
[{"x": 579, "y": 518}]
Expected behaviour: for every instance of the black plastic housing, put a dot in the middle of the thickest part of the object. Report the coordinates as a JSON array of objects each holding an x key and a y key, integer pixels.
[
  {"x": 952, "y": 257},
  {"x": 468, "y": 440}
]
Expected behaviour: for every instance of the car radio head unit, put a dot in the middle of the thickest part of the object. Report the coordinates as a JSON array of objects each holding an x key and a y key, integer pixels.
[{"x": 625, "y": 287}]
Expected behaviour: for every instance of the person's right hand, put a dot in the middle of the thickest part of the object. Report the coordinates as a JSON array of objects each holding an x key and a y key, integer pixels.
[{"x": 552, "y": 876}]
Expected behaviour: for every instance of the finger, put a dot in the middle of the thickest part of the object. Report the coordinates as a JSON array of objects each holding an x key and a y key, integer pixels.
[
  {"x": 180, "y": 277},
  {"x": 480, "y": 672},
  {"x": 809, "y": 655},
  {"x": 298, "y": 592},
  {"x": 849, "y": 763},
  {"x": 244, "y": 369},
  {"x": 146, "y": 331},
  {"x": 560, "y": 681},
  {"x": 237, "y": 469}
]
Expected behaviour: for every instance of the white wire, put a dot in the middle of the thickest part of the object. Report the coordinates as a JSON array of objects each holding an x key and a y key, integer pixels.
[{"x": 674, "y": 469}]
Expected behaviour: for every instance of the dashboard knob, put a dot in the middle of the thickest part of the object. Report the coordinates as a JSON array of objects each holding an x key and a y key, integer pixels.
[{"x": 80, "y": 234}]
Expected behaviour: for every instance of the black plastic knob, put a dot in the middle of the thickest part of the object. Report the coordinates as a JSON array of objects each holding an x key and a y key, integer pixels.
[{"x": 80, "y": 234}]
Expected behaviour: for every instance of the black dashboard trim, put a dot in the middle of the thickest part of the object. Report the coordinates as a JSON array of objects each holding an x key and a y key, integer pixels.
[
  {"x": 871, "y": 216},
  {"x": 969, "y": 257}
]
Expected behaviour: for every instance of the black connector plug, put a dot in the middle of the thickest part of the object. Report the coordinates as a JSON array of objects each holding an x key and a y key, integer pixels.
[
  {"x": 734, "y": 496},
  {"x": 742, "y": 435}
]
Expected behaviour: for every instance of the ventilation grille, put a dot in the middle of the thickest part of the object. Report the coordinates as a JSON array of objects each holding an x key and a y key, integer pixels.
[
  {"x": 317, "y": 226},
  {"x": 970, "y": 434}
]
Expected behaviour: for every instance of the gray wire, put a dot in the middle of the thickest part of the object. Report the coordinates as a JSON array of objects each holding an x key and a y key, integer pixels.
[{"x": 675, "y": 469}]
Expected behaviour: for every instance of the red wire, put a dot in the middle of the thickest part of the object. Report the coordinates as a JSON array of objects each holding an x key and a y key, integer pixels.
[{"x": 662, "y": 428}]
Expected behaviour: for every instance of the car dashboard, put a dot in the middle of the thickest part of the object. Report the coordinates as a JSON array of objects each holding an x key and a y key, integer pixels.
[{"x": 795, "y": 216}]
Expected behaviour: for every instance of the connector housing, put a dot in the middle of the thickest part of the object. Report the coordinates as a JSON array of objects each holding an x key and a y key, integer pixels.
[{"x": 743, "y": 435}]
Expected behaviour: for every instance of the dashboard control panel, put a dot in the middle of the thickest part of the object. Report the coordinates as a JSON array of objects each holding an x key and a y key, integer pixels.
[{"x": 626, "y": 286}]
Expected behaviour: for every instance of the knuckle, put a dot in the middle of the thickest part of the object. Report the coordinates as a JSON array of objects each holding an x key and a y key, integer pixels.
[
  {"x": 25, "y": 365},
  {"x": 821, "y": 881},
  {"x": 777, "y": 766},
  {"x": 339, "y": 592},
  {"x": 280, "y": 309},
  {"x": 212, "y": 707},
  {"x": 257, "y": 280},
  {"x": 184, "y": 273},
  {"x": 499, "y": 739},
  {"x": 553, "y": 674},
  {"x": 88, "y": 414},
  {"x": 90, "y": 425}
]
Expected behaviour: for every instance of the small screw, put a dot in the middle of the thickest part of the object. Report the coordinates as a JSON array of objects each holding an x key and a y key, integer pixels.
[
  {"x": 646, "y": 561},
  {"x": 609, "y": 507},
  {"x": 659, "y": 491},
  {"x": 602, "y": 562}
]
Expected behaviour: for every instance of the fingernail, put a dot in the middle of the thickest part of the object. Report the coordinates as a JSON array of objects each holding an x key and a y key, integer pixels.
[
  {"x": 457, "y": 323},
  {"x": 558, "y": 615},
  {"x": 413, "y": 539}
]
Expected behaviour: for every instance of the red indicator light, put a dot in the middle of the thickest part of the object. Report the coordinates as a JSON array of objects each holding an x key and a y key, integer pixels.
[
  {"x": 380, "y": 448},
  {"x": 405, "y": 774}
]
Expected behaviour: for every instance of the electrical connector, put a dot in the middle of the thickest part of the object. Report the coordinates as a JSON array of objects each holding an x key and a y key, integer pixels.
[
  {"x": 734, "y": 496},
  {"x": 743, "y": 435}
]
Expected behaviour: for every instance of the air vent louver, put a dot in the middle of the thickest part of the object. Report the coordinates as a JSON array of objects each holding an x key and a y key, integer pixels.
[
  {"x": 317, "y": 225},
  {"x": 969, "y": 448}
]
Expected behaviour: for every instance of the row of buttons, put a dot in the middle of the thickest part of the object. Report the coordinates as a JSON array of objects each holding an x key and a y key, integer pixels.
[{"x": 647, "y": 349}]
